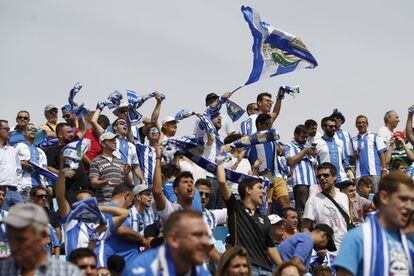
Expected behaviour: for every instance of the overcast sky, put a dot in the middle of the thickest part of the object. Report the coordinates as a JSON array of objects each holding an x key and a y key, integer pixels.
[{"x": 186, "y": 49}]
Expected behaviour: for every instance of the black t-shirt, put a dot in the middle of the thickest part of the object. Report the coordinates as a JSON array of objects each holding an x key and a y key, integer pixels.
[
  {"x": 54, "y": 219},
  {"x": 152, "y": 231},
  {"x": 252, "y": 231},
  {"x": 78, "y": 181}
]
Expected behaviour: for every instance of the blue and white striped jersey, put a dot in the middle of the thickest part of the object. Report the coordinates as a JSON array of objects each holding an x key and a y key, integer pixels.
[
  {"x": 139, "y": 221},
  {"x": 78, "y": 235},
  {"x": 248, "y": 127},
  {"x": 303, "y": 173},
  {"x": 215, "y": 217},
  {"x": 332, "y": 151},
  {"x": 410, "y": 171},
  {"x": 126, "y": 151},
  {"x": 266, "y": 151},
  {"x": 29, "y": 152},
  {"x": 369, "y": 145},
  {"x": 147, "y": 159},
  {"x": 346, "y": 139}
]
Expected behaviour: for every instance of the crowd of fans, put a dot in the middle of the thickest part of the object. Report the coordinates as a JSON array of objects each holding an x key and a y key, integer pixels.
[{"x": 133, "y": 204}]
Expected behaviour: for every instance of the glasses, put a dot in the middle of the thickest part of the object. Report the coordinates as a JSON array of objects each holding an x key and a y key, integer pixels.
[
  {"x": 23, "y": 118},
  {"x": 153, "y": 131},
  {"x": 41, "y": 196},
  {"x": 122, "y": 123},
  {"x": 54, "y": 111},
  {"x": 204, "y": 194},
  {"x": 31, "y": 129},
  {"x": 331, "y": 126},
  {"x": 324, "y": 175},
  {"x": 5, "y": 128}
]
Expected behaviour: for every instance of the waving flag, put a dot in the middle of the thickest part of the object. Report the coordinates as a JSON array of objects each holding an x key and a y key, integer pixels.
[
  {"x": 74, "y": 151},
  {"x": 275, "y": 52},
  {"x": 184, "y": 113},
  {"x": 234, "y": 110},
  {"x": 114, "y": 99},
  {"x": 43, "y": 171}
]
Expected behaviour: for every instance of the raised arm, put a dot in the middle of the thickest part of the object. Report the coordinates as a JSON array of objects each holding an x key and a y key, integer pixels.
[
  {"x": 409, "y": 126},
  {"x": 60, "y": 189},
  {"x": 278, "y": 106},
  {"x": 221, "y": 180},
  {"x": 118, "y": 214},
  {"x": 97, "y": 129},
  {"x": 155, "y": 114},
  {"x": 157, "y": 193}
]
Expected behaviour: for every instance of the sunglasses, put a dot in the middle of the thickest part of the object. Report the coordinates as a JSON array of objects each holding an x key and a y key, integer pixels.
[
  {"x": 330, "y": 126},
  {"x": 324, "y": 175},
  {"x": 5, "y": 128},
  {"x": 122, "y": 123},
  {"x": 31, "y": 129},
  {"x": 205, "y": 194},
  {"x": 23, "y": 118},
  {"x": 41, "y": 196},
  {"x": 54, "y": 111},
  {"x": 153, "y": 131}
]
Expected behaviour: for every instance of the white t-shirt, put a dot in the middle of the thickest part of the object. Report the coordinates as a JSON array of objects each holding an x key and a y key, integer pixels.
[
  {"x": 320, "y": 209},
  {"x": 243, "y": 167},
  {"x": 386, "y": 135},
  {"x": 226, "y": 127}
]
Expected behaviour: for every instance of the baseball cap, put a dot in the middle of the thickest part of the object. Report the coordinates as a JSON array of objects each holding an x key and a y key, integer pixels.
[
  {"x": 50, "y": 107},
  {"x": 275, "y": 219},
  {"x": 330, "y": 234},
  {"x": 399, "y": 134},
  {"x": 24, "y": 214},
  {"x": 107, "y": 136},
  {"x": 168, "y": 119},
  {"x": 140, "y": 188},
  {"x": 210, "y": 97}
]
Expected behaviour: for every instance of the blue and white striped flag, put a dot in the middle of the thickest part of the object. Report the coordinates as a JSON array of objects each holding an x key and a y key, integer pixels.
[
  {"x": 87, "y": 211},
  {"x": 184, "y": 113},
  {"x": 75, "y": 89},
  {"x": 275, "y": 52},
  {"x": 138, "y": 101}
]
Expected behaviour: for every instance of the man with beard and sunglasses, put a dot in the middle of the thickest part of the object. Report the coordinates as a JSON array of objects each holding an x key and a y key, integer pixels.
[
  {"x": 330, "y": 148},
  {"x": 29, "y": 153}
]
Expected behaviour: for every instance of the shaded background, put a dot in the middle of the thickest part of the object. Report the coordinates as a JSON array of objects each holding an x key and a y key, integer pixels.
[{"x": 189, "y": 48}]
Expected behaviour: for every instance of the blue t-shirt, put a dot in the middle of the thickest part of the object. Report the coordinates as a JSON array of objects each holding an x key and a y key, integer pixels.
[
  {"x": 114, "y": 245},
  {"x": 299, "y": 245},
  {"x": 351, "y": 253},
  {"x": 168, "y": 191}
]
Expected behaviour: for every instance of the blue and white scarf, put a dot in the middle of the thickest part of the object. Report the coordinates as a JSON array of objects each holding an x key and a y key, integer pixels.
[
  {"x": 183, "y": 114},
  {"x": 43, "y": 171},
  {"x": 74, "y": 151},
  {"x": 192, "y": 149},
  {"x": 234, "y": 110},
  {"x": 260, "y": 137},
  {"x": 376, "y": 253},
  {"x": 75, "y": 89},
  {"x": 114, "y": 100},
  {"x": 87, "y": 211}
]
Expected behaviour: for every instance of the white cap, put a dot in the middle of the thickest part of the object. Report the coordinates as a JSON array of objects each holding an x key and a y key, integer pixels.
[
  {"x": 275, "y": 219},
  {"x": 107, "y": 136},
  {"x": 140, "y": 188},
  {"x": 168, "y": 119}
]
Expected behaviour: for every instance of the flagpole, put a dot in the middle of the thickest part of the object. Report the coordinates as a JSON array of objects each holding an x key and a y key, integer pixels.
[{"x": 237, "y": 89}]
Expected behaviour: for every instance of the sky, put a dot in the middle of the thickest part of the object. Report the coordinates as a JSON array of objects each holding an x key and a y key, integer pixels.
[{"x": 187, "y": 49}]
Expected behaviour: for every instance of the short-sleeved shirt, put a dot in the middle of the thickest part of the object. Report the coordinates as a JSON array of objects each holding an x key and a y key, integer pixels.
[
  {"x": 332, "y": 151},
  {"x": 351, "y": 254},
  {"x": 29, "y": 152},
  {"x": 320, "y": 209},
  {"x": 107, "y": 168},
  {"x": 252, "y": 231},
  {"x": 360, "y": 205},
  {"x": 303, "y": 172},
  {"x": 10, "y": 167},
  {"x": 126, "y": 151},
  {"x": 168, "y": 191},
  {"x": 299, "y": 245}
]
